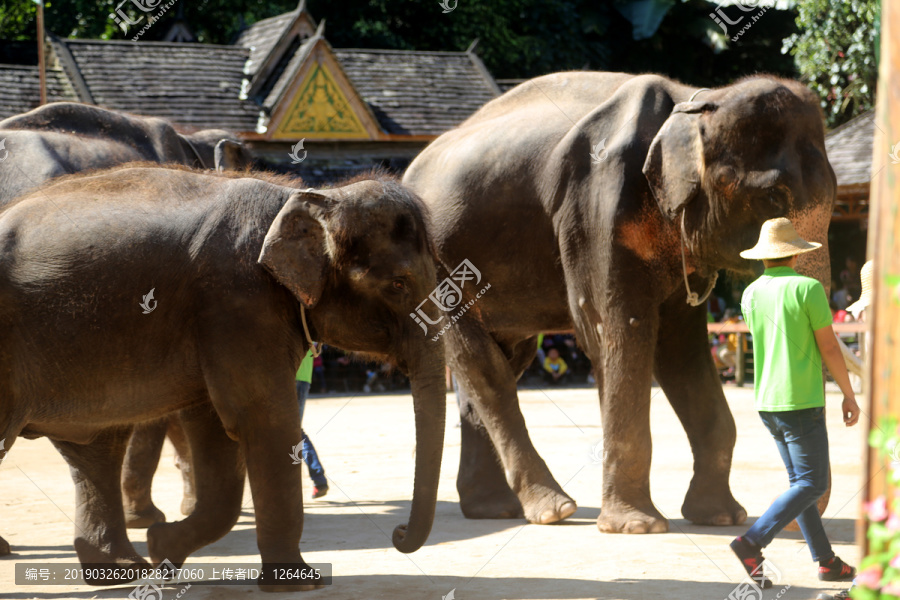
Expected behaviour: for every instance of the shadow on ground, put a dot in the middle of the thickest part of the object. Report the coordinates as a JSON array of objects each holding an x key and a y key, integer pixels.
[{"x": 485, "y": 588}]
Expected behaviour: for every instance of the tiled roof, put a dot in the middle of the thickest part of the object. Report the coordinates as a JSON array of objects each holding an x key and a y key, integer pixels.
[
  {"x": 21, "y": 89},
  {"x": 289, "y": 65},
  {"x": 849, "y": 150},
  {"x": 196, "y": 85},
  {"x": 261, "y": 37},
  {"x": 418, "y": 93}
]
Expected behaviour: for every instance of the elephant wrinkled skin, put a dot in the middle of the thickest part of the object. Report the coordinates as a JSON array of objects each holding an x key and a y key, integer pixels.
[
  {"x": 575, "y": 195},
  {"x": 235, "y": 264}
]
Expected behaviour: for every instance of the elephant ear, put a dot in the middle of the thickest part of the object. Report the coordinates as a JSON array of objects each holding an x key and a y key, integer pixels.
[
  {"x": 675, "y": 159},
  {"x": 230, "y": 155},
  {"x": 294, "y": 248}
]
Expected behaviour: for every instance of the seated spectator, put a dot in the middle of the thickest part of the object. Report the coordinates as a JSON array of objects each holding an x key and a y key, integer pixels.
[
  {"x": 842, "y": 316},
  {"x": 554, "y": 367},
  {"x": 727, "y": 348},
  {"x": 850, "y": 278},
  {"x": 841, "y": 298}
]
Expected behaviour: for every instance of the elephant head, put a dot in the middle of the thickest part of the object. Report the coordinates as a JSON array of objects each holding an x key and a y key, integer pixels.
[
  {"x": 740, "y": 155},
  {"x": 359, "y": 259},
  {"x": 218, "y": 149}
]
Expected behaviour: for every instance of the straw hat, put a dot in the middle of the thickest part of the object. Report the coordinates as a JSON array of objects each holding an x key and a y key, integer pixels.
[
  {"x": 865, "y": 298},
  {"x": 778, "y": 239}
]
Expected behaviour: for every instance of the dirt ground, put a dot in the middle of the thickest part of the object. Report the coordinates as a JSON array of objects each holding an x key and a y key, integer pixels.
[{"x": 370, "y": 469}]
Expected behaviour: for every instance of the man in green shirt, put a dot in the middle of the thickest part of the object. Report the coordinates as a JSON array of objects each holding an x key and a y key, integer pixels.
[{"x": 790, "y": 320}]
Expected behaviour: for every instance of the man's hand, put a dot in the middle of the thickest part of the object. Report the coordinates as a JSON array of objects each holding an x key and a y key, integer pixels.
[{"x": 850, "y": 411}]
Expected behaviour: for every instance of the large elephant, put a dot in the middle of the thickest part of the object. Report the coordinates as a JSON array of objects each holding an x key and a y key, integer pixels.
[
  {"x": 607, "y": 202},
  {"x": 67, "y": 137},
  {"x": 245, "y": 272}
]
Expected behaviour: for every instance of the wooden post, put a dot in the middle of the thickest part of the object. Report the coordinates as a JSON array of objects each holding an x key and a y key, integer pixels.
[
  {"x": 40, "y": 40},
  {"x": 884, "y": 246}
]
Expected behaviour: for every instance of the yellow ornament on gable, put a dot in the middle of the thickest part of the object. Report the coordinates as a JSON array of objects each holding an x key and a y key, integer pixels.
[{"x": 320, "y": 109}]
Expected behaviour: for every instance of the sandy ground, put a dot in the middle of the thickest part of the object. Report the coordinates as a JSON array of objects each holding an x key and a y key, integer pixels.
[{"x": 371, "y": 473}]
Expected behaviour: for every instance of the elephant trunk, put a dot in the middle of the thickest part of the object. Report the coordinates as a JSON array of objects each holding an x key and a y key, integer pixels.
[{"x": 426, "y": 376}]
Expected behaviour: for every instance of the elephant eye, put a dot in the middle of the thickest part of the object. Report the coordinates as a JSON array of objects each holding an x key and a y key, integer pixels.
[{"x": 399, "y": 285}]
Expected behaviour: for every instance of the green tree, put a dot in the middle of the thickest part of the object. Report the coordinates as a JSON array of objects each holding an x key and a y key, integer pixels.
[
  {"x": 517, "y": 38},
  {"x": 835, "y": 52}
]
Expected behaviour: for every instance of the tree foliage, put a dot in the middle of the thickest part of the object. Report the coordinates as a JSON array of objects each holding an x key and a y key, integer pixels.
[
  {"x": 517, "y": 38},
  {"x": 835, "y": 50}
]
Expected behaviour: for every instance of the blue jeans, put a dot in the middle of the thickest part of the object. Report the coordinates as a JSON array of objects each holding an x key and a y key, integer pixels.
[
  {"x": 802, "y": 441},
  {"x": 316, "y": 471}
]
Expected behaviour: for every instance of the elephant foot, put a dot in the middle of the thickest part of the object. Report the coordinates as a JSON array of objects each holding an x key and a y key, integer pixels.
[
  {"x": 115, "y": 572},
  {"x": 549, "y": 507},
  {"x": 106, "y": 565},
  {"x": 166, "y": 541},
  {"x": 616, "y": 517},
  {"x": 4, "y": 547},
  {"x": 705, "y": 508},
  {"x": 143, "y": 518},
  {"x": 486, "y": 503}
]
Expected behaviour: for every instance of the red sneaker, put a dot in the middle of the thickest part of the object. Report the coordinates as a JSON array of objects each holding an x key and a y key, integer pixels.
[
  {"x": 836, "y": 570},
  {"x": 751, "y": 557}
]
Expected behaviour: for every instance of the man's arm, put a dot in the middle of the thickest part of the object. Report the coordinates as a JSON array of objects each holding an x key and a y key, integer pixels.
[{"x": 834, "y": 360}]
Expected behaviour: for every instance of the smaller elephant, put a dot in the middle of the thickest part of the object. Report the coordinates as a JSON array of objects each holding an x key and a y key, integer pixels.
[{"x": 247, "y": 272}]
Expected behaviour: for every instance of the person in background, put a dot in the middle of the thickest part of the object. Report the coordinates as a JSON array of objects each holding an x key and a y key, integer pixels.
[
  {"x": 727, "y": 348},
  {"x": 858, "y": 308},
  {"x": 310, "y": 456},
  {"x": 554, "y": 367},
  {"x": 850, "y": 277},
  {"x": 790, "y": 320},
  {"x": 840, "y": 296}
]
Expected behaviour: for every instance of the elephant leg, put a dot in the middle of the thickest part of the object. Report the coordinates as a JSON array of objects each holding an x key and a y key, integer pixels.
[
  {"x": 487, "y": 373},
  {"x": 100, "y": 534},
  {"x": 481, "y": 482},
  {"x": 184, "y": 463},
  {"x": 256, "y": 402},
  {"x": 220, "y": 488},
  {"x": 8, "y": 440},
  {"x": 141, "y": 460},
  {"x": 687, "y": 375},
  {"x": 622, "y": 351}
]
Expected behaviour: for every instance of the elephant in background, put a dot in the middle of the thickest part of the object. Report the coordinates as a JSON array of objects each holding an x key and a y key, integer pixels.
[
  {"x": 67, "y": 137},
  {"x": 242, "y": 267},
  {"x": 601, "y": 202}
]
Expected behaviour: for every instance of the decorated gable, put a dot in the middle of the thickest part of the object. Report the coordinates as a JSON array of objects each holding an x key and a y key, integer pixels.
[{"x": 321, "y": 104}]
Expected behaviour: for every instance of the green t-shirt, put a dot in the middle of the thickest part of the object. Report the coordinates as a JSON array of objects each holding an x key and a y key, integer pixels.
[
  {"x": 304, "y": 373},
  {"x": 783, "y": 311}
]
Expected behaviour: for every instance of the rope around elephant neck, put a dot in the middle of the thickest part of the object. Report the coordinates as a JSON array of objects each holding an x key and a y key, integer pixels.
[
  {"x": 312, "y": 345},
  {"x": 692, "y": 297}
]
